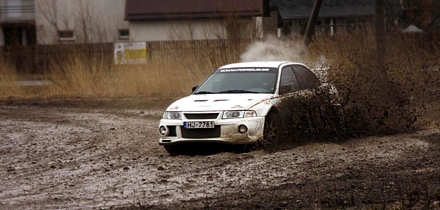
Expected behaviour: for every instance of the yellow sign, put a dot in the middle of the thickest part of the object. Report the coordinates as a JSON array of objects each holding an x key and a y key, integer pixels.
[{"x": 130, "y": 53}]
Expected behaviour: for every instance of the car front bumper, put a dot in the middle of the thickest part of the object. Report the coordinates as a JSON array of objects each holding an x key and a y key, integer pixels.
[{"x": 225, "y": 131}]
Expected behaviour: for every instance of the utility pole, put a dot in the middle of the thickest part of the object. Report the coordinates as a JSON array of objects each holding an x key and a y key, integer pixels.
[
  {"x": 380, "y": 34},
  {"x": 312, "y": 21}
]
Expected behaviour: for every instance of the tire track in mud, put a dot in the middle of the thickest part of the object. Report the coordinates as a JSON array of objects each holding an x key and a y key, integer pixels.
[{"x": 68, "y": 157}]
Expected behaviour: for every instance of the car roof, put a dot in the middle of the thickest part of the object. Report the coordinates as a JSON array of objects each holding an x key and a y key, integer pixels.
[{"x": 266, "y": 64}]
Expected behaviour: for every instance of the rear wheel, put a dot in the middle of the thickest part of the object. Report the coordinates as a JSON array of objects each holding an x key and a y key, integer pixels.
[{"x": 272, "y": 129}]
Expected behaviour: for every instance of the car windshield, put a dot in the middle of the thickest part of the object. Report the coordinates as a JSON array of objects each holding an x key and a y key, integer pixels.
[{"x": 242, "y": 80}]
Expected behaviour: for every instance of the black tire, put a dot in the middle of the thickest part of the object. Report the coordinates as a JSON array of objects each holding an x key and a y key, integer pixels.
[
  {"x": 272, "y": 129},
  {"x": 244, "y": 148},
  {"x": 173, "y": 149}
]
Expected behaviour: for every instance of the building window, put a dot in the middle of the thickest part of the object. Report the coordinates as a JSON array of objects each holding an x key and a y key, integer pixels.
[
  {"x": 66, "y": 35},
  {"x": 124, "y": 34}
]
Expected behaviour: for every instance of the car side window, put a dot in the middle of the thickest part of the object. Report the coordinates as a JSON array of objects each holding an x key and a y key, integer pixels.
[
  {"x": 288, "y": 82},
  {"x": 306, "y": 78}
]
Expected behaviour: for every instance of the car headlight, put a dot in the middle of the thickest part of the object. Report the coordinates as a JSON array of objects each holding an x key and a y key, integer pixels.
[
  {"x": 172, "y": 115},
  {"x": 238, "y": 114}
]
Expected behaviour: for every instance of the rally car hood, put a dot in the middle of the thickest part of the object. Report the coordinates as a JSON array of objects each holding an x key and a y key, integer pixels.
[{"x": 218, "y": 102}]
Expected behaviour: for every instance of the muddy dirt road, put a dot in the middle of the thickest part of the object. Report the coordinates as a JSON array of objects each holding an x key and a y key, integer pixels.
[{"x": 92, "y": 154}]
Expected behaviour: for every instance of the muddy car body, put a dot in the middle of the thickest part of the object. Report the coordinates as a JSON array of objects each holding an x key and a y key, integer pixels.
[{"x": 236, "y": 104}]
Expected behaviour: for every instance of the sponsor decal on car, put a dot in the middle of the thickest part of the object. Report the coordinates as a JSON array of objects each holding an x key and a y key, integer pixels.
[
  {"x": 241, "y": 70},
  {"x": 174, "y": 108},
  {"x": 237, "y": 106}
]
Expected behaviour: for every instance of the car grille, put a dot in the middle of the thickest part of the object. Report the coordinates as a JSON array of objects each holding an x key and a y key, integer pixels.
[
  {"x": 202, "y": 116},
  {"x": 201, "y": 133}
]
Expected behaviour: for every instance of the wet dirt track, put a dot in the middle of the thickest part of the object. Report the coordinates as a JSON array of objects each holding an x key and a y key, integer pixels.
[{"x": 87, "y": 154}]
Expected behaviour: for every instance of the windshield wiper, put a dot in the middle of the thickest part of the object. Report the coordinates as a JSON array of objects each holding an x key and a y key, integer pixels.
[
  {"x": 204, "y": 92},
  {"x": 238, "y": 91}
]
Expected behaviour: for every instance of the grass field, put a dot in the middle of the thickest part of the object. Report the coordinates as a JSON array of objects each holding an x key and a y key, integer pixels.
[
  {"x": 400, "y": 90},
  {"x": 351, "y": 58}
]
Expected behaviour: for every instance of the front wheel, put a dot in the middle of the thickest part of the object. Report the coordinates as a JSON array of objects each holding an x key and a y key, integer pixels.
[
  {"x": 272, "y": 129},
  {"x": 173, "y": 149}
]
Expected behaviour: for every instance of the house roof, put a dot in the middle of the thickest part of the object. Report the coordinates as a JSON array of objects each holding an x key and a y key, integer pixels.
[
  {"x": 178, "y": 9},
  {"x": 297, "y": 9}
]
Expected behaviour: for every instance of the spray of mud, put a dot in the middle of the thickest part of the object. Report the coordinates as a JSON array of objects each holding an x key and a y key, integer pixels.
[
  {"x": 358, "y": 113},
  {"x": 274, "y": 49}
]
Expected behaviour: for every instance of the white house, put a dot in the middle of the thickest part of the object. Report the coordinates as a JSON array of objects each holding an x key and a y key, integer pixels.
[
  {"x": 92, "y": 21},
  {"x": 17, "y": 22},
  {"x": 152, "y": 20},
  {"x": 80, "y": 21}
]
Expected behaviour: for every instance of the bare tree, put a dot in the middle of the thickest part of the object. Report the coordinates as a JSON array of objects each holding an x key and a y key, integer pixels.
[
  {"x": 48, "y": 10},
  {"x": 182, "y": 30},
  {"x": 91, "y": 25},
  {"x": 82, "y": 17}
]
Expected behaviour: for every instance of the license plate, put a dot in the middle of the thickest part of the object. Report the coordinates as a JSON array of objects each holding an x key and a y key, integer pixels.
[{"x": 198, "y": 124}]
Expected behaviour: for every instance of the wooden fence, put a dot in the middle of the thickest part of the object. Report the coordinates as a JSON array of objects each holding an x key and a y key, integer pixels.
[{"x": 40, "y": 58}]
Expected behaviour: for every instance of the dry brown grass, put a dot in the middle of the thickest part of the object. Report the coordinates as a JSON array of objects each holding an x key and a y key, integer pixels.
[
  {"x": 351, "y": 57},
  {"x": 8, "y": 80},
  {"x": 83, "y": 77},
  {"x": 151, "y": 80},
  {"x": 402, "y": 96},
  {"x": 376, "y": 99}
]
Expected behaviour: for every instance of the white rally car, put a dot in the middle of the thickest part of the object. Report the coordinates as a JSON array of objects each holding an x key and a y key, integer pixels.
[{"x": 235, "y": 105}]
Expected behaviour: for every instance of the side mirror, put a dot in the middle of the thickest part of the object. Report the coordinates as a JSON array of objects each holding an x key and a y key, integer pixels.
[
  {"x": 194, "y": 88},
  {"x": 285, "y": 89}
]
